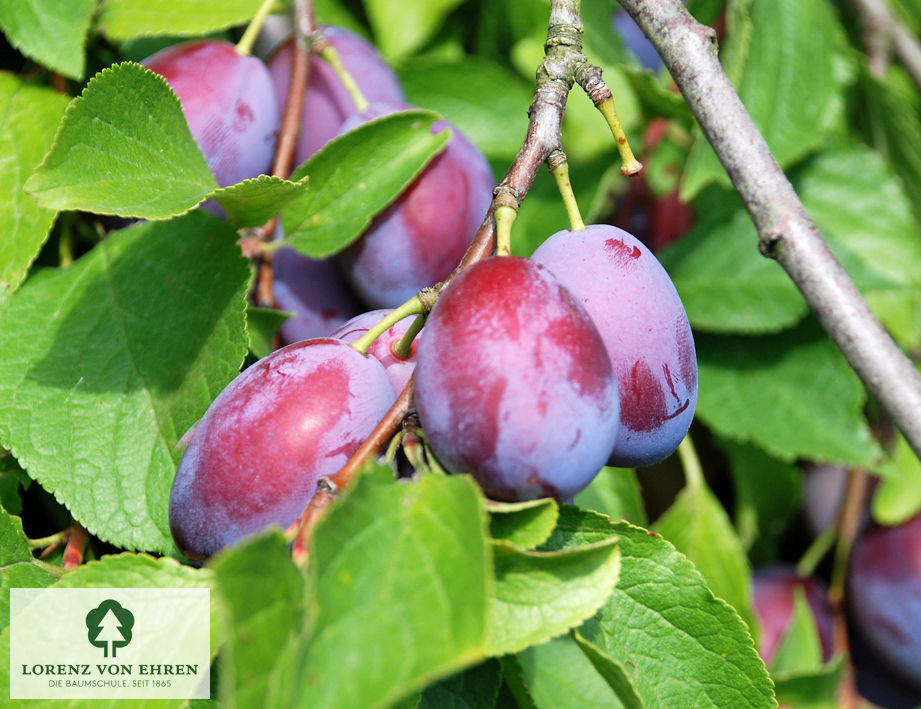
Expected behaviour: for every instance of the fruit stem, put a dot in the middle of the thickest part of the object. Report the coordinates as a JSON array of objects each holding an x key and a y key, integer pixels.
[
  {"x": 413, "y": 306},
  {"x": 245, "y": 45},
  {"x": 690, "y": 461},
  {"x": 630, "y": 165},
  {"x": 505, "y": 217},
  {"x": 816, "y": 552},
  {"x": 404, "y": 348},
  {"x": 559, "y": 168},
  {"x": 331, "y": 56}
]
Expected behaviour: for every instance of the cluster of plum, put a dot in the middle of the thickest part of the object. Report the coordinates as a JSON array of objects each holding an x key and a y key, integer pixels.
[{"x": 530, "y": 374}]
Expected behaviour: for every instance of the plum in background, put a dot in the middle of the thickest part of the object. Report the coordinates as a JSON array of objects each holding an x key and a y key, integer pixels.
[
  {"x": 326, "y": 103},
  {"x": 256, "y": 455},
  {"x": 229, "y": 103},
  {"x": 513, "y": 384},
  {"x": 316, "y": 291},
  {"x": 419, "y": 239},
  {"x": 884, "y": 595},
  {"x": 398, "y": 369},
  {"x": 642, "y": 321},
  {"x": 773, "y": 589}
]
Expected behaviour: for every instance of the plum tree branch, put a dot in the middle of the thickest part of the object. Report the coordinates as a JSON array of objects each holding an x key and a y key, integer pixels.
[
  {"x": 883, "y": 29},
  {"x": 786, "y": 233}
]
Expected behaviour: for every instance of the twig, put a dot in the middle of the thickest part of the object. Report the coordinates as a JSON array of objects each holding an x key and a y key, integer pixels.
[
  {"x": 785, "y": 231},
  {"x": 555, "y": 78},
  {"x": 884, "y": 30}
]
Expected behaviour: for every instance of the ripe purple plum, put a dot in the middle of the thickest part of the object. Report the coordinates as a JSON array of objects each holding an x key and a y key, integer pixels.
[
  {"x": 229, "y": 103},
  {"x": 326, "y": 103},
  {"x": 316, "y": 291},
  {"x": 637, "y": 310},
  {"x": 884, "y": 595},
  {"x": 255, "y": 457},
  {"x": 513, "y": 384},
  {"x": 774, "y": 588},
  {"x": 399, "y": 369},
  {"x": 419, "y": 239}
]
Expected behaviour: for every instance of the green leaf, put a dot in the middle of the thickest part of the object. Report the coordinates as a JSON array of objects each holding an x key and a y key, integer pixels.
[
  {"x": 30, "y": 117},
  {"x": 253, "y": 202},
  {"x": 768, "y": 493},
  {"x": 791, "y": 83},
  {"x": 13, "y": 480},
  {"x": 356, "y": 176},
  {"x": 419, "y": 21},
  {"x": 616, "y": 493},
  {"x": 402, "y": 576},
  {"x": 124, "y": 148},
  {"x": 124, "y": 19},
  {"x": 259, "y": 617},
  {"x": 725, "y": 284},
  {"x": 898, "y": 496},
  {"x": 486, "y": 102},
  {"x": 559, "y": 675},
  {"x": 613, "y": 672},
  {"x": 23, "y": 574},
  {"x": 792, "y": 394},
  {"x": 800, "y": 650},
  {"x": 699, "y": 527},
  {"x": 540, "y": 595},
  {"x": 814, "y": 690},
  {"x": 261, "y": 326},
  {"x": 104, "y": 365},
  {"x": 523, "y": 524},
  {"x": 683, "y": 646},
  {"x": 49, "y": 31},
  {"x": 476, "y": 688}
]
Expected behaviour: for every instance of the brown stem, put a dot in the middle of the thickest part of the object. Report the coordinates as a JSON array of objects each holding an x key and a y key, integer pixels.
[
  {"x": 785, "y": 231},
  {"x": 76, "y": 544},
  {"x": 555, "y": 77},
  {"x": 884, "y": 31}
]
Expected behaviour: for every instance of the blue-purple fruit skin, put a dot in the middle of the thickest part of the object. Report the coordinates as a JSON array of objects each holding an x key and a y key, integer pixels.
[
  {"x": 513, "y": 384},
  {"x": 884, "y": 595},
  {"x": 419, "y": 239},
  {"x": 327, "y": 103},
  {"x": 316, "y": 291},
  {"x": 383, "y": 348},
  {"x": 229, "y": 103},
  {"x": 256, "y": 455},
  {"x": 644, "y": 326}
]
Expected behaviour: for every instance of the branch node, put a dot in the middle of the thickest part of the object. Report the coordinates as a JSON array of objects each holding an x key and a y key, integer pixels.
[{"x": 769, "y": 244}]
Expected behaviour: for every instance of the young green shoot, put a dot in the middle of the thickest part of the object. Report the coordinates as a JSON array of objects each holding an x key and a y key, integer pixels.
[
  {"x": 560, "y": 172},
  {"x": 630, "y": 165},
  {"x": 245, "y": 45},
  {"x": 329, "y": 54},
  {"x": 413, "y": 306},
  {"x": 690, "y": 462},
  {"x": 505, "y": 217},
  {"x": 404, "y": 348}
]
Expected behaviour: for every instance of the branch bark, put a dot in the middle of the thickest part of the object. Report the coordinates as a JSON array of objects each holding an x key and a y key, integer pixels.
[
  {"x": 882, "y": 29},
  {"x": 785, "y": 231}
]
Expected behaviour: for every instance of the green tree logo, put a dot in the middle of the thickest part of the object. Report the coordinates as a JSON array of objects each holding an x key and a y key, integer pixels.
[{"x": 109, "y": 626}]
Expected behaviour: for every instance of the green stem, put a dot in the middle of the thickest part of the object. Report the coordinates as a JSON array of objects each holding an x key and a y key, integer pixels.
[
  {"x": 413, "y": 306},
  {"x": 331, "y": 57},
  {"x": 630, "y": 165},
  {"x": 816, "y": 552},
  {"x": 43, "y": 542},
  {"x": 505, "y": 217},
  {"x": 55, "y": 571},
  {"x": 404, "y": 348},
  {"x": 561, "y": 174},
  {"x": 245, "y": 45},
  {"x": 693, "y": 471}
]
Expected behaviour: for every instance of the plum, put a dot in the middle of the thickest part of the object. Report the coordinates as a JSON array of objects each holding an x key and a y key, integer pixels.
[
  {"x": 419, "y": 238},
  {"x": 642, "y": 321},
  {"x": 255, "y": 457},
  {"x": 399, "y": 369},
  {"x": 316, "y": 291},
  {"x": 884, "y": 595},
  {"x": 774, "y": 588},
  {"x": 229, "y": 103},
  {"x": 326, "y": 103},
  {"x": 513, "y": 384}
]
